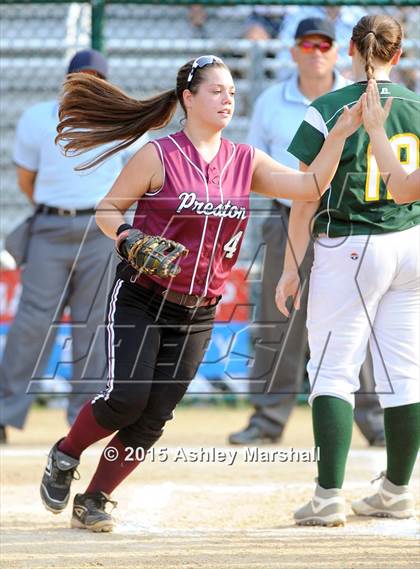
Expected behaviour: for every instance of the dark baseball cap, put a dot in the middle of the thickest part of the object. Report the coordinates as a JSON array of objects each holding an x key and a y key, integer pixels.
[
  {"x": 88, "y": 59},
  {"x": 320, "y": 26}
]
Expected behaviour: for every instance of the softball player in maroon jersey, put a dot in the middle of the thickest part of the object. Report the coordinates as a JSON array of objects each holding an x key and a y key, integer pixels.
[{"x": 192, "y": 187}]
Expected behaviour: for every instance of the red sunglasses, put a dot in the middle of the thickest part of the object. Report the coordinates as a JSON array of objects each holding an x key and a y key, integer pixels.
[{"x": 308, "y": 46}]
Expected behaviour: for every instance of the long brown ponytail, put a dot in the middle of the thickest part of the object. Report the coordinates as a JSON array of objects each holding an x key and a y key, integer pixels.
[
  {"x": 377, "y": 37},
  {"x": 94, "y": 112}
]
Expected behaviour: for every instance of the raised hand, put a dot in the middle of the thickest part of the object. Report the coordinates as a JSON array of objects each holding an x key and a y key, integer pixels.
[
  {"x": 350, "y": 120},
  {"x": 374, "y": 115}
]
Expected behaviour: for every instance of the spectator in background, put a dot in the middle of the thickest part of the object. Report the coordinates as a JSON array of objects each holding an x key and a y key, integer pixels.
[
  {"x": 197, "y": 17},
  {"x": 279, "y": 363},
  {"x": 65, "y": 260},
  {"x": 264, "y": 23},
  {"x": 343, "y": 19}
]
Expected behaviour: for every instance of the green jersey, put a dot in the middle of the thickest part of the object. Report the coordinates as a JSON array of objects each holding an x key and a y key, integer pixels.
[{"x": 357, "y": 202}]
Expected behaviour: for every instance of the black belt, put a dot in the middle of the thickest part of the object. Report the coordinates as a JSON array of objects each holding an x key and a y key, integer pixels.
[
  {"x": 187, "y": 300},
  {"x": 63, "y": 211},
  {"x": 281, "y": 205}
]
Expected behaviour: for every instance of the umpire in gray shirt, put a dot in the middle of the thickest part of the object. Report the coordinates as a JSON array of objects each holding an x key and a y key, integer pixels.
[
  {"x": 280, "y": 354},
  {"x": 67, "y": 263}
]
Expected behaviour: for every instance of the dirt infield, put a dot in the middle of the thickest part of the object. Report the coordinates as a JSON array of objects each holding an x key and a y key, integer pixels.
[{"x": 197, "y": 504}]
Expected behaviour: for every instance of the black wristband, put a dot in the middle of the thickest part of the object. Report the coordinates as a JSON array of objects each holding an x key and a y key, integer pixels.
[{"x": 123, "y": 227}]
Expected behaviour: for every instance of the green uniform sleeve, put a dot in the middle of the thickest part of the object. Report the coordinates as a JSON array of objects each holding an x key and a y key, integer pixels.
[{"x": 306, "y": 143}]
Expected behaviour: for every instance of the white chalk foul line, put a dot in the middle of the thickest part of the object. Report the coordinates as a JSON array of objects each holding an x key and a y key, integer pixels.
[{"x": 396, "y": 529}]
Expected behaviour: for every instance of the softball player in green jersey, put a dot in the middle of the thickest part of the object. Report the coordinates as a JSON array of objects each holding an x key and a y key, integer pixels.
[{"x": 364, "y": 284}]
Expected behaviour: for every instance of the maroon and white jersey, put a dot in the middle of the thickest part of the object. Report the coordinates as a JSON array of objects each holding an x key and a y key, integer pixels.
[{"x": 204, "y": 206}]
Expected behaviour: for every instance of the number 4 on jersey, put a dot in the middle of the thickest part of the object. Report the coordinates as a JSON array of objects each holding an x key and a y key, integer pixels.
[
  {"x": 231, "y": 246},
  {"x": 406, "y": 148}
]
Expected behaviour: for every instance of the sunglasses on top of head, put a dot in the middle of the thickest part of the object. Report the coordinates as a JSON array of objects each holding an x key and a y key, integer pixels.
[
  {"x": 309, "y": 46},
  {"x": 201, "y": 62}
]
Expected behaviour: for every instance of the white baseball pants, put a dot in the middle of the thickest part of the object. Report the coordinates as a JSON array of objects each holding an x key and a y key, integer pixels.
[{"x": 366, "y": 289}]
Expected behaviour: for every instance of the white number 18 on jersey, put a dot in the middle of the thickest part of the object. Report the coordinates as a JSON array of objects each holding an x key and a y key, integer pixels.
[{"x": 231, "y": 246}]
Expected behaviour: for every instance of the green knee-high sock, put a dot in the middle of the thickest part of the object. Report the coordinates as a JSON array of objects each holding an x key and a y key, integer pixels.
[
  {"x": 332, "y": 420},
  {"x": 402, "y": 432}
]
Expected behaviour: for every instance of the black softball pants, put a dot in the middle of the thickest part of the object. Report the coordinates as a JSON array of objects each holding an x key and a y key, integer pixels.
[{"x": 154, "y": 348}]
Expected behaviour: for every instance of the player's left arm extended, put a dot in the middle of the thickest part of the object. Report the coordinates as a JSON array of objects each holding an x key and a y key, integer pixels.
[{"x": 272, "y": 179}]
